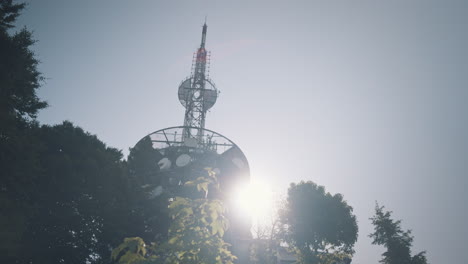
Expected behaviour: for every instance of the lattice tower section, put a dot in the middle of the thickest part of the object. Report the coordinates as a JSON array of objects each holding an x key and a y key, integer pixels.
[{"x": 197, "y": 93}]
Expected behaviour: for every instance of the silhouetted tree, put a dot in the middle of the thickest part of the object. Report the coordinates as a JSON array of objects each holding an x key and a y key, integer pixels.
[
  {"x": 143, "y": 162},
  {"x": 398, "y": 242},
  {"x": 19, "y": 80},
  {"x": 64, "y": 195},
  {"x": 19, "y": 77},
  {"x": 150, "y": 200},
  {"x": 319, "y": 226},
  {"x": 77, "y": 202}
]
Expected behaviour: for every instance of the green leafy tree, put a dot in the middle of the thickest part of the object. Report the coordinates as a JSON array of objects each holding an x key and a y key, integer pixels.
[
  {"x": 65, "y": 198},
  {"x": 19, "y": 77},
  {"x": 78, "y": 198},
  {"x": 388, "y": 232},
  {"x": 19, "y": 104},
  {"x": 64, "y": 195},
  {"x": 150, "y": 199},
  {"x": 319, "y": 226},
  {"x": 195, "y": 234},
  {"x": 143, "y": 162}
]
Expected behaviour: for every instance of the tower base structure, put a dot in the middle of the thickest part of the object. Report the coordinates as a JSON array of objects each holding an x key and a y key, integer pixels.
[{"x": 176, "y": 159}]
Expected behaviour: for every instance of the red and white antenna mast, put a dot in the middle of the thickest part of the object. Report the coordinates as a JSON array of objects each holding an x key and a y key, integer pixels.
[{"x": 197, "y": 93}]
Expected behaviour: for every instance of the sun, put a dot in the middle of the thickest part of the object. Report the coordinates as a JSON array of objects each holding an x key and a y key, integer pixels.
[{"x": 255, "y": 199}]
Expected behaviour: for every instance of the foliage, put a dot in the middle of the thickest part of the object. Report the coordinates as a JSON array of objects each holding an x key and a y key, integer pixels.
[
  {"x": 132, "y": 250},
  {"x": 150, "y": 214},
  {"x": 318, "y": 225},
  {"x": 195, "y": 235},
  {"x": 80, "y": 198},
  {"x": 66, "y": 193},
  {"x": 8, "y": 13},
  {"x": 19, "y": 80},
  {"x": 398, "y": 242},
  {"x": 19, "y": 77},
  {"x": 262, "y": 251},
  {"x": 322, "y": 257},
  {"x": 143, "y": 162}
]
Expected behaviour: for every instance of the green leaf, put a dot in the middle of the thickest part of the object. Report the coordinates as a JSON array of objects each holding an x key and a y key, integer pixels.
[{"x": 173, "y": 240}]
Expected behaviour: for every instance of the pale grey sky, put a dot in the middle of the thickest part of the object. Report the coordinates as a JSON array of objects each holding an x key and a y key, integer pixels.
[{"x": 368, "y": 98}]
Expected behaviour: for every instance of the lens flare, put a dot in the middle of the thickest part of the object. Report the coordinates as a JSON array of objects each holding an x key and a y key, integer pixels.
[{"x": 255, "y": 199}]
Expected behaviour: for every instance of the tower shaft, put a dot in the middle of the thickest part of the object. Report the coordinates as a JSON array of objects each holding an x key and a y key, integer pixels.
[{"x": 196, "y": 105}]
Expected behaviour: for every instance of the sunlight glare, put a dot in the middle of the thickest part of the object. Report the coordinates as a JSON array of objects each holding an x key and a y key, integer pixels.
[{"x": 255, "y": 199}]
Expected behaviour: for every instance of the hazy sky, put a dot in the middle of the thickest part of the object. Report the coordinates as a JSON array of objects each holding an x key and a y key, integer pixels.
[{"x": 368, "y": 98}]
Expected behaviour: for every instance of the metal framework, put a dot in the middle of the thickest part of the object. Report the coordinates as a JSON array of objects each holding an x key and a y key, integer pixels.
[
  {"x": 185, "y": 150},
  {"x": 197, "y": 93},
  {"x": 172, "y": 137}
]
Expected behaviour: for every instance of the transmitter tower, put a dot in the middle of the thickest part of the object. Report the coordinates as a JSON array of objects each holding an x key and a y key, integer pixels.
[
  {"x": 197, "y": 93},
  {"x": 164, "y": 160}
]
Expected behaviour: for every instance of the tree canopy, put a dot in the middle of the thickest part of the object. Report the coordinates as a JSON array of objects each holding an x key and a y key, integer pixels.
[
  {"x": 19, "y": 76},
  {"x": 150, "y": 200},
  {"x": 19, "y": 81},
  {"x": 388, "y": 232},
  {"x": 64, "y": 195},
  {"x": 69, "y": 193},
  {"x": 317, "y": 224}
]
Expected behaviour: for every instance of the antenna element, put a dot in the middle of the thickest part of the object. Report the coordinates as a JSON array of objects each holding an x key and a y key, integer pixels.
[{"x": 197, "y": 93}]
